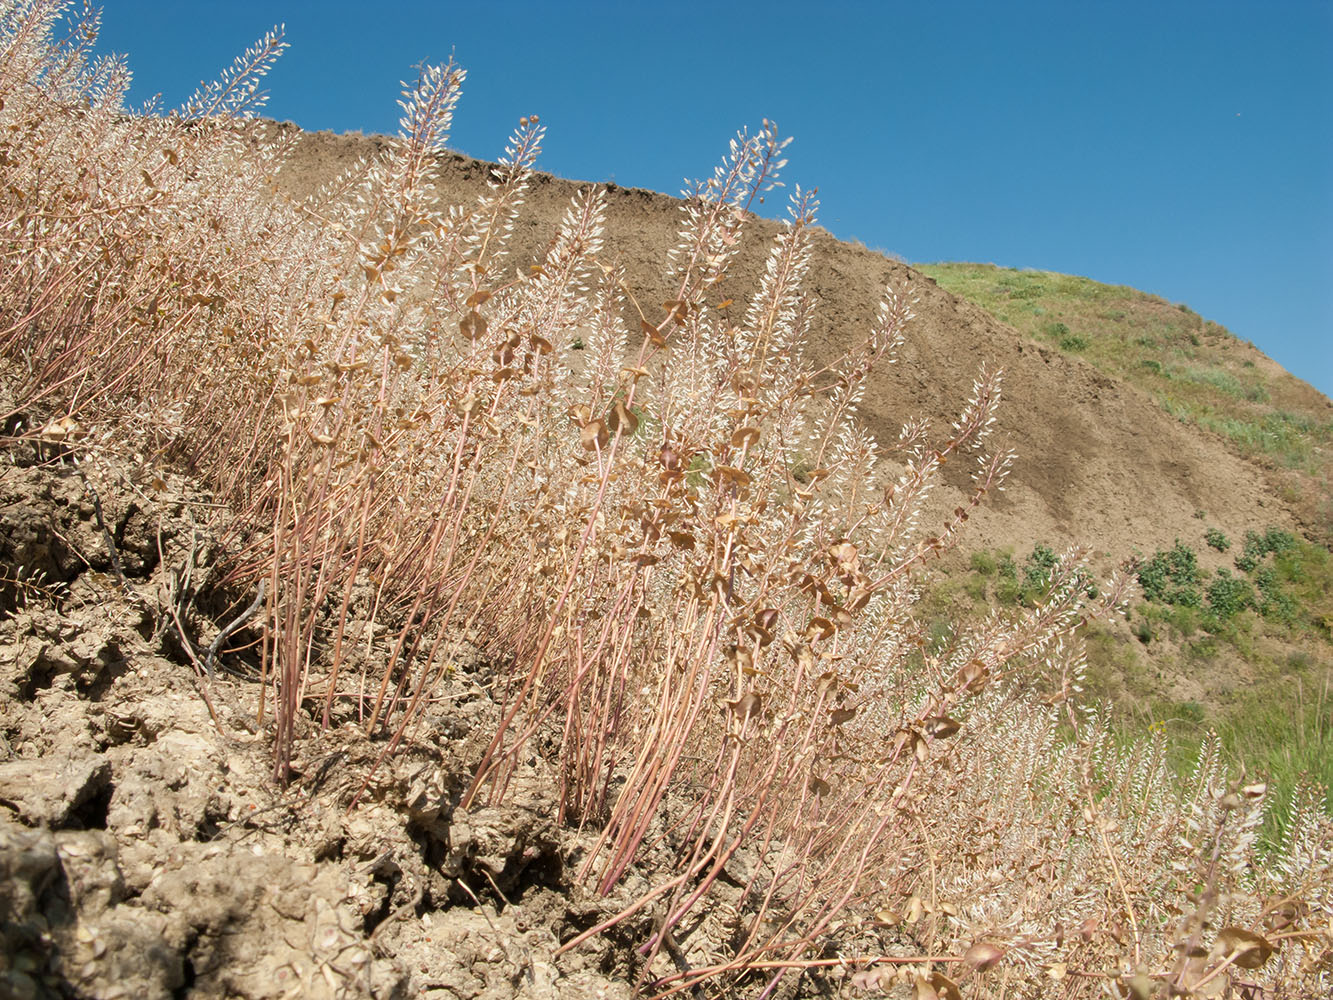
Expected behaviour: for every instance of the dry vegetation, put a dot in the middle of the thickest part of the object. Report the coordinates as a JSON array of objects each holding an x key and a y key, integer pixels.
[{"x": 693, "y": 565}]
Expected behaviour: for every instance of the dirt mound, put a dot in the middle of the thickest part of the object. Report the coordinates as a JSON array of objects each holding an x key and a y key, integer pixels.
[{"x": 1099, "y": 464}]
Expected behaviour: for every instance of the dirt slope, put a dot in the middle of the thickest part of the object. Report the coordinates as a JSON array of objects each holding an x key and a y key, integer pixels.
[{"x": 1099, "y": 463}]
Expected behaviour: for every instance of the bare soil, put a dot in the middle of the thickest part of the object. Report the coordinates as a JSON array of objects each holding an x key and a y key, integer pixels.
[{"x": 145, "y": 851}]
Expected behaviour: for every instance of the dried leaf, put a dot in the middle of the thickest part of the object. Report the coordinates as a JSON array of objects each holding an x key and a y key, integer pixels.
[
  {"x": 746, "y": 705},
  {"x": 983, "y": 955},
  {"x": 745, "y": 436},
  {"x": 841, "y": 715},
  {"x": 844, "y": 554},
  {"x": 1251, "y": 950},
  {"x": 622, "y": 419},
  {"x": 1255, "y": 791},
  {"x": 472, "y": 326},
  {"x": 1138, "y": 986},
  {"x": 945, "y": 988},
  {"x": 477, "y": 298},
  {"x": 738, "y": 476},
  {"x": 940, "y": 727},
  {"x": 819, "y": 628},
  {"x": 915, "y": 910}
]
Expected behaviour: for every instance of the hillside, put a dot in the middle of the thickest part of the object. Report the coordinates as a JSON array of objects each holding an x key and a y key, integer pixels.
[
  {"x": 1099, "y": 463},
  {"x": 1136, "y": 425},
  {"x": 421, "y": 577}
]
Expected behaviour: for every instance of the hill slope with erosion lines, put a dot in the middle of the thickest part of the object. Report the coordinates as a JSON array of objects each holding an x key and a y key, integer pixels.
[{"x": 1099, "y": 464}]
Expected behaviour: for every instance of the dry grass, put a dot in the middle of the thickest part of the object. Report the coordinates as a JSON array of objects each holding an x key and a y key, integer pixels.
[{"x": 671, "y": 528}]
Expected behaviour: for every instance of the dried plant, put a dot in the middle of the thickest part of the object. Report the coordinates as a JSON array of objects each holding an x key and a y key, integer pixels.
[{"x": 701, "y": 570}]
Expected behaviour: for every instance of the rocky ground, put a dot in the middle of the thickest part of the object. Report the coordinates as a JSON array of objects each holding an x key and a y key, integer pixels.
[{"x": 144, "y": 849}]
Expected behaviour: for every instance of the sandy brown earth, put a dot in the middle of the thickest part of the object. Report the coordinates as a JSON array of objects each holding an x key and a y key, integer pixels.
[
  {"x": 1099, "y": 463},
  {"x": 144, "y": 850}
]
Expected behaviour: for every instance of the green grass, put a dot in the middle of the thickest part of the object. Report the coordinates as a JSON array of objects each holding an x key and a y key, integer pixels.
[
  {"x": 1258, "y": 632},
  {"x": 1195, "y": 369}
]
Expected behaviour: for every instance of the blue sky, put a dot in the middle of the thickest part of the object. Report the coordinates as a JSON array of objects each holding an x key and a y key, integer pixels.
[{"x": 1185, "y": 149}]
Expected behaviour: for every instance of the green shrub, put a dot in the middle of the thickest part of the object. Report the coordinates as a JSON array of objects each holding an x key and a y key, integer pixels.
[
  {"x": 1228, "y": 596},
  {"x": 1074, "y": 343},
  {"x": 1172, "y": 577},
  {"x": 1257, "y": 546},
  {"x": 1216, "y": 540},
  {"x": 1037, "y": 570},
  {"x": 983, "y": 563}
]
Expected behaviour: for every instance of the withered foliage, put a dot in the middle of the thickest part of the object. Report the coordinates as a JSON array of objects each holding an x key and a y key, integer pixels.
[{"x": 699, "y": 568}]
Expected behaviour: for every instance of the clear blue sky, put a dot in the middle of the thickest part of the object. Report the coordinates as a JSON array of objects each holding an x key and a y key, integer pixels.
[{"x": 1185, "y": 149}]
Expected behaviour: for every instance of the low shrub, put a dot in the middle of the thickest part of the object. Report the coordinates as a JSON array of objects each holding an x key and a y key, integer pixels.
[
  {"x": 1172, "y": 577},
  {"x": 1228, "y": 596}
]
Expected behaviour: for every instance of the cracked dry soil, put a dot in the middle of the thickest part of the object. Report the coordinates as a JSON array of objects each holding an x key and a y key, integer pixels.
[{"x": 145, "y": 851}]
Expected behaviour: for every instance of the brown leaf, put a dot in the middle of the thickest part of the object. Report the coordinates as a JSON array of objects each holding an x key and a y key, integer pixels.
[
  {"x": 983, "y": 955},
  {"x": 593, "y": 435},
  {"x": 941, "y": 727},
  {"x": 945, "y": 988},
  {"x": 738, "y": 476},
  {"x": 1251, "y": 950},
  {"x": 844, "y": 554},
  {"x": 743, "y": 436},
  {"x": 1281, "y": 912},
  {"x": 841, "y": 715},
  {"x": 472, "y": 326},
  {"x": 477, "y": 298},
  {"x": 819, "y": 628},
  {"x": 1136, "y": 987},
  {"x": 622, "y": 419},
  {"x": 746, "y": 705}
]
